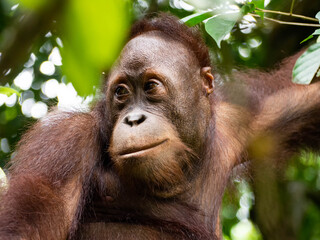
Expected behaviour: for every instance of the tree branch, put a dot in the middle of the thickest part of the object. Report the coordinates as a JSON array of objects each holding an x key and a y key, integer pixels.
[
  {"x": 288, "y": 14},
  {"x": 288, "y": 23}
]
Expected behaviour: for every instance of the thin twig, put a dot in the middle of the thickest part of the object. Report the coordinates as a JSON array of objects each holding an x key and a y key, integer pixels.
[
  {"x": 288, "y": 23},
  {"x": 288, "y": 14},
  {"x": 291, "y": 8}
]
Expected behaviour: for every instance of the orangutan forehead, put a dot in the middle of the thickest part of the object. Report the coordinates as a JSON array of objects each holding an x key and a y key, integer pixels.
[{"x": 154, "y": 48}]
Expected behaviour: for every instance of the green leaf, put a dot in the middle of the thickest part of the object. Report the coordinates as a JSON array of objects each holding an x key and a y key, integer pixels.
[
  {"x": 249, "y": 7},
  {"x": 306, "y": 39},
  {"x": 220, "y": 25},
  {"x": 318, "y": 16},
  {"x": 259, "y": 4},
  {"x": 8, "y": 91},
  {"x": 316, "y": 32},
  {"x": 93, "y": 33},
  {"x": 196, "y": 18},
  {"x": 307, "y": 65}
]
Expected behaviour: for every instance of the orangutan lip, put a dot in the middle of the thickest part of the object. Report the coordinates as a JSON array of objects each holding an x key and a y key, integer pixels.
[{"x": 144, "y": 148}]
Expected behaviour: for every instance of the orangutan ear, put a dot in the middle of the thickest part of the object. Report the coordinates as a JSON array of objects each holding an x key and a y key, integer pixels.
[{"x": 207, "y": 80}]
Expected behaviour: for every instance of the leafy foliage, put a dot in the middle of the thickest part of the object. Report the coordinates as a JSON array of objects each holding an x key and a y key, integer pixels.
[
  {"x": 316, "y": 32},
  {"x": 8, "y": 91},
  {"x": 219, "y": 26},
  {"x": 307, "y": 65},
  {"x": 196, "y": 18},
  {"x": 318, "y": 16},
  {"x": 259, "y": 4},
  {"x": 93, "y": 43}
]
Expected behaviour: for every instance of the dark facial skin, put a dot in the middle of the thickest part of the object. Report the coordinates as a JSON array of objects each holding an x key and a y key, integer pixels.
[{"x": 159, "y": 101}]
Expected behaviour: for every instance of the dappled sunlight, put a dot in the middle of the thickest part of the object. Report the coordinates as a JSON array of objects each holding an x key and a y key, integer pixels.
[
  {"x": 245, "y": 230},
  {"x": 254, "y": 42},
  {"x": 247, "y": 24},
  {"x": 30, "y": 108},
  {"x": 68, "y": 97},
  {"x": 50, "y": 88},
  {"x": 237, "y": 212},
  {"x": 4, "y": 144},
  {"x": 24, "y": 79},
  {"x": 53, "y": 89},
  {"x": 27, "y": 106},
  {"x": 179, "y": 4},
  {"x": 31, "y": 61},
  {"x": 39, "y": 109},
  {"x": 47, "y": 68},
  {"x": 3, "y": 180},
  {"x": 11, "y": 101},
  {"x": 3, "y": 99},
  {"x": 244, "y": 51},
  {"x": 55, "y": 57}
]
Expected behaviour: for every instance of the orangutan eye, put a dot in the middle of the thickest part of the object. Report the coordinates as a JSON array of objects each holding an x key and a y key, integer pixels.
[
  {"x": 151, "y": 86},
  {"x": 121, "y": 91}
]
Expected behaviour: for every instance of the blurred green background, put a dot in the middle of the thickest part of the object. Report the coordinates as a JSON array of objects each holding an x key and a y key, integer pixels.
[{"x": 89, "y": 35}]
